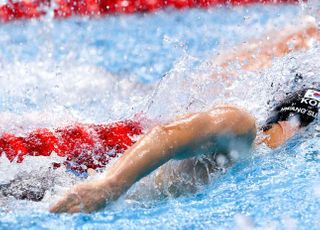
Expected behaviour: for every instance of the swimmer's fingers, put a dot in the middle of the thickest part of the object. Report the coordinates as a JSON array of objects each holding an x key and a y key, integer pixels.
[
  {"x": 85, "y": 197},
  {"x": 70, "y": 203}
]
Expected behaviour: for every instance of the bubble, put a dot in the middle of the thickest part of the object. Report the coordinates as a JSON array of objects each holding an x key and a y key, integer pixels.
[
  {"x": 221, "y": 160},
  {"x": 243, "y": 222},
  {"x": 289, "y": 223},
  {"x": 316, "y": 189},
  {"x": 234, "y": 154}
]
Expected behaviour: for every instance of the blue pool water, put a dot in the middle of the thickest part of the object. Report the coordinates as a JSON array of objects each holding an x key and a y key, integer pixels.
[{"x": 97, "y": 70}]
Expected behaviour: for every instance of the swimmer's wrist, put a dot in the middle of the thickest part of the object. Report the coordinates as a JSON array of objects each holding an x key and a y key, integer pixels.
[{"x": 112, "y": 187}]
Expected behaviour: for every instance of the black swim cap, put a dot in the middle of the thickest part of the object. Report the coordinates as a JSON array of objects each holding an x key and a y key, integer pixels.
[{"x": 303, "y": 105}]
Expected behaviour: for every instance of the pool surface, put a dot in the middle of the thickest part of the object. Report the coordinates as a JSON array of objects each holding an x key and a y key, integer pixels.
[{"x": 53, "y": 73}]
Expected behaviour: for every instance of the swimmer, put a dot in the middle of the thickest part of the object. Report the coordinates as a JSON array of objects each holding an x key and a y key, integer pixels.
[
  {"x": 257, "y": 55},
  {"x": 219, "y": 131}
]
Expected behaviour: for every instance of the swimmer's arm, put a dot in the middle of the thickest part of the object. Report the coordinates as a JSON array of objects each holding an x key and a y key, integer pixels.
[
  {"x": 181, "y": 139},
  {"x": 256, "y": 55}
]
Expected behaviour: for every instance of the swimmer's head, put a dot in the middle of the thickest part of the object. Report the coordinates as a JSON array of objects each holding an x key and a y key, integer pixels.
[{"x": 300, "y": 108}]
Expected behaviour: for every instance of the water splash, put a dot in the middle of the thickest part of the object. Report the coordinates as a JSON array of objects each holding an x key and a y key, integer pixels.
[{"x": 80, "y": 70}]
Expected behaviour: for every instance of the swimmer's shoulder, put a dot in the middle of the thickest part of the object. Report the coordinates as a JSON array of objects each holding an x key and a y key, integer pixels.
[
  {"x": 228, "y": 118},
  {"x": 220, "y": 119}
]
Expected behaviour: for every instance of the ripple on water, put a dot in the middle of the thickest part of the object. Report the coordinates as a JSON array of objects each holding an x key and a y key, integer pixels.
[{"x": 54, "y": 73}]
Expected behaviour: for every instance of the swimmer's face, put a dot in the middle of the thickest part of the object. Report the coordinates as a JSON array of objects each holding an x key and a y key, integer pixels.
[{"x": 279, "y": 133}]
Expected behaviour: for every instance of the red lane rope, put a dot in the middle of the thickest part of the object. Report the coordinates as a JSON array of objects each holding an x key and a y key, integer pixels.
[
  {"x": 26, "y": 9},
  {"x": 83, "y": 146}
]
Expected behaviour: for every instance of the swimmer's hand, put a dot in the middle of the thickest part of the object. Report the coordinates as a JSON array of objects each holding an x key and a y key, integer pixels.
[{"x": 84, "y": 197}]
